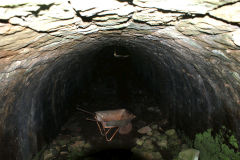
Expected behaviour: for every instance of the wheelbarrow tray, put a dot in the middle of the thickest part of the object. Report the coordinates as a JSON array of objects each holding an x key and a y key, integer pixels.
[{"x": 114, "y": 118}]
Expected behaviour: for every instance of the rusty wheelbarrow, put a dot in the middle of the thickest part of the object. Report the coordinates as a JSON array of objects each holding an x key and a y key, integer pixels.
[{"x": 120, "y": 119}]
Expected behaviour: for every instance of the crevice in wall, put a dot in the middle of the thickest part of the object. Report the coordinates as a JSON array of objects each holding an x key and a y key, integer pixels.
[
  {"x": 226, "y": 4},
  {"x": 5, "y": 21},
  {"x": 225, "y": 21}
]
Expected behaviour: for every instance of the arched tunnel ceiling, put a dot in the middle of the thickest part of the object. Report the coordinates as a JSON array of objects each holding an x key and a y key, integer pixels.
[{"x": 196, "y": 43}]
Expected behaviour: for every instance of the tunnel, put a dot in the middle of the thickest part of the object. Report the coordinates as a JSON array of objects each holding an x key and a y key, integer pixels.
[
  {"x": 112, "y": 73},
  {"x": 172, "y": 67}
]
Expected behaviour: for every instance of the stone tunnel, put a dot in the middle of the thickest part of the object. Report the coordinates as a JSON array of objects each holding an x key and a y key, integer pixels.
[{"x": 55, "y": 53}]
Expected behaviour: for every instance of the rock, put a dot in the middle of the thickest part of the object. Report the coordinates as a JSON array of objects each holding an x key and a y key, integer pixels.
[
  {"x": 174, "y": 142},
  {"x": 203, "y": 25},
  {"x": 160, "y": 128},
  {"x": 79, "y": 143},
  {"x": 123, "y": 11},
  {"x": 7, "y": 13},
  {"x": 150, "y": 108},
  {"x": 63, "y": 11},
  {"x": 187, "y": 29},
  {"x": 219, "y": 53},
  {"x": 236, "y": 76},
  {"x": 58, "y": 148},
  {"x": 77, "y": 138},
  {"x": 171, "y": 132},
  {"x": 93, "y": 7},
  {"x": 161, "y": 137},
  {"x": 164, "y": 121},
  {"x": 156, "y": 133},
  {"x": 162, "y": 143},
  {"x": 112, "y": 22},
  {"x": 230, "y": 13},
  {"x": 193, "y": 6},
  {"x": 147, "y": 155},
  {"x": 77, "y": 146},
  {"x": 154, "y": 127},
  {"x": 139, "y": 26},
  {"x": 55, "y": 151},
  {"x": 153, "y": 138},
  {"x": 64, "y": 147},
  {"x": 225, "y": 39},
  {"x": 149, "y": 133},
  {"x": 42, "y": 23},
  {"x": 144, "y": 137},
  {"x": 148, "y": 145},
  {"x": 189, "y": 154},
  {"x": 144, "y": 130},
  {"x": 87, "y": 145},
  {"x": 151, "y": 155},
  {"x": 119, "y": 26},
  {"x": 236, "y": 37},
  {"x": 157, "y": 155},
  {"x": 64, "y": 153},
  {"x": 154, "y": 17},
  {"x": 106, "y": 18},
  {"x": 47, "y": 155},
  {"x": 136, "y": 150},
  {"x": 139, "y": 142}
]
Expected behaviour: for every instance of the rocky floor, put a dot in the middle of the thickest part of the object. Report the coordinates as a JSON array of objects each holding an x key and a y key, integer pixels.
[
  {"x": 148, "y": 140},
  {"x": 151, "y": 138}
]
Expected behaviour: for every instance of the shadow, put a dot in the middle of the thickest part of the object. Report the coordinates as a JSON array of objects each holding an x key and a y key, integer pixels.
[
  {"x": 41, "y": 8},
  {"x": 112, "y": 154},
  {"x": 128, "y": 1}
]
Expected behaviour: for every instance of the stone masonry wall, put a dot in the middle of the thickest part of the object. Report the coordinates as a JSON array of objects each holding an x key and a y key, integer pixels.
[{"x": 37, "y": 37}]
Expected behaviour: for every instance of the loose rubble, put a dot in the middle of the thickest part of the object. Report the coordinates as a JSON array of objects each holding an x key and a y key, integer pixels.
[
  {"x": 159, "y": 145},
  {"x": 156, "y": 145}
]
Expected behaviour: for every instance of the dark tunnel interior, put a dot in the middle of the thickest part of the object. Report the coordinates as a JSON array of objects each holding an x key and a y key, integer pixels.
[
  {"x": 155, "y": 80},
  {"x": 112, "y": 81}
]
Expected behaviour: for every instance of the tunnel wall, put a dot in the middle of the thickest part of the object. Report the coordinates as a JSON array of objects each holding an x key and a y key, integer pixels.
[
  {"x": 195, "y": 51},
  {"x": 185, "y": 92}
]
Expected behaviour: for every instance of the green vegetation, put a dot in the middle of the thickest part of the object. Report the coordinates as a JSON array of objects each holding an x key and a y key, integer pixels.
[{"x": 222, "y": 146}]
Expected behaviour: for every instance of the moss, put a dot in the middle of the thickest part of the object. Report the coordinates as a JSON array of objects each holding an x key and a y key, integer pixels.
[{"x": 218, "y": 147}]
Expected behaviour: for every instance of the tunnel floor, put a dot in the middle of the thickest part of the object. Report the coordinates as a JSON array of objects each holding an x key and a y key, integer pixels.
[{"x": 81, "y": 139}]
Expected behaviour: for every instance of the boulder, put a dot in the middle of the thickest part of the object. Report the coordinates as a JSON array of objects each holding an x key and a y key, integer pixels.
[
  {"x": 144, "y": 130},
  {"x": 189, "y": 154}
]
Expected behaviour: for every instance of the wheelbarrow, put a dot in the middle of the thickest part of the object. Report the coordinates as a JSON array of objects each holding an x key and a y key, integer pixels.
[{"x": 118, "y": 119}]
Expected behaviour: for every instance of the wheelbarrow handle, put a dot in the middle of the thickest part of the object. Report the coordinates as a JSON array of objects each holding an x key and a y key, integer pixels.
[
  {"x": 80, "y": 109},
  {"x": 90, "y": 119}
]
